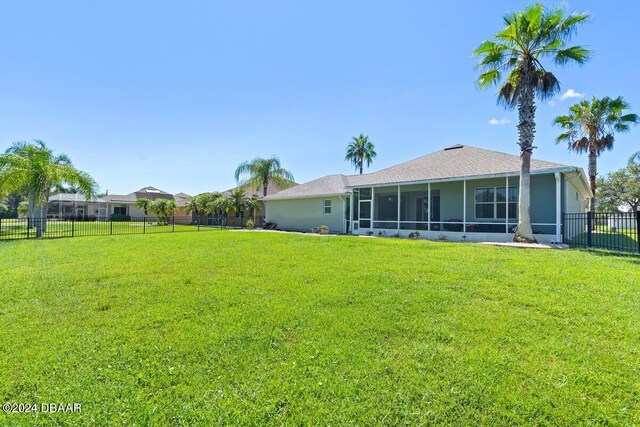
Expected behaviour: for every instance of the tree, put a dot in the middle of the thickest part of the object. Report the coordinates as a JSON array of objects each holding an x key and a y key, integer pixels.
[
  {"x": 163, "y": 209},
  {"x": 621, "y": 188},
  {"x": 513, "y": 59},
  {"x": 260, "y": 172},
  {"x": 34, "y": 170},
  {"x": 360, "y": 150},
  {"x": 239, "y": 202},
  {"x": 589, "y": 128},
  {"x": 205, "y": 199},
  {"x": 191, "y": 207},
  {"x": 143, "y": 203}
]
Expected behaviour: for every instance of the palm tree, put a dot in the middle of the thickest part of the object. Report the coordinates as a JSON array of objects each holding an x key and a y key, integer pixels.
[
  {"x": 261, "y": 172},
  {"x": 360, "y": 150},
  {"x": 589, "y": 128},
  {"x": 239, "y": 201},
  {"x": 34, "y": 170},
  {"x": 513, "y": 59},
  {"x": 191, "y": 207},
  {"x": 163, "y": 209},
  {"x": 143, "y": 203},
  {"x": 219, "y": 205}
]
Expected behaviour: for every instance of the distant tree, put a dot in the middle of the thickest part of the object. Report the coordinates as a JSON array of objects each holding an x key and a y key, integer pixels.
[
  {"x": 239, "y": 202},
  {"x": 11, "y": 203},
  {"x": 204, "y": 200},
  {"x": 191, "y": 207},
  {"x": 163, "y": 209},
  {"x": 33, "y": 169},
  {"x": 221, "y": 205},
  {"x": 359, "y": 151},
  {"x": 621, "y": 187},
  {"x": 590, "y": 127},
  {"x": 513, "y": 59},
  {"x": 143, "y": 203},
  {"x": 260, "y": 172}
]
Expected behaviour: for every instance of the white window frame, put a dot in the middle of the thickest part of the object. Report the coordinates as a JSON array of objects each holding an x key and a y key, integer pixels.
[
  {"x": 495, "y": 202},
  {"x": 325, "y": 206}
]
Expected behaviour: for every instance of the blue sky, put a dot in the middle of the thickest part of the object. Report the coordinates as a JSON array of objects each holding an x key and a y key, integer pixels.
[{"x": 177, "y": 94}]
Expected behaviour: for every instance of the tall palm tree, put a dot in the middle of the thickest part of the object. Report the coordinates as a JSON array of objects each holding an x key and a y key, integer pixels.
[
  {"x": 513, "y": 59},
  {"x": 360, "y": 150},
  {"x": 260, "y": 172},
  {"x": 33, "y": 169},
  {"x": 589, "y": 128},
  {"x": 143, "y": 203}
]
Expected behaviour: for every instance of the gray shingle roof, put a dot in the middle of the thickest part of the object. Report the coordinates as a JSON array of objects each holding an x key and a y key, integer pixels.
[
  {"x": 331, "y": 184},
  {"x": 459, "y": 161}
]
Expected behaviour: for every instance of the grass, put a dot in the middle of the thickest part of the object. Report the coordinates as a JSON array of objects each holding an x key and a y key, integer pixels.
[
  {"x": 621, "y": 239},
  {"x": 261, "y": 328}
]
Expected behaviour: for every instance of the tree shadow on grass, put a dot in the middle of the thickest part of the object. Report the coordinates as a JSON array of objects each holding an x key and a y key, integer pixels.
[{"x": 632, "y": 257}]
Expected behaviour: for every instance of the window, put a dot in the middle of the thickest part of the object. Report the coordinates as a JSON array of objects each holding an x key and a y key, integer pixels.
[
  {"x": 327, "y": 206},
  {"x": 492, "y": 202},
  {"x": 119, "y": 210}
]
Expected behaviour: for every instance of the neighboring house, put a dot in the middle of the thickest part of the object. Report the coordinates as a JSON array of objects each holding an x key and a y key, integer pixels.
[
  {"x": 111, "y": 204},
  {"x": 459, "y": 193}
]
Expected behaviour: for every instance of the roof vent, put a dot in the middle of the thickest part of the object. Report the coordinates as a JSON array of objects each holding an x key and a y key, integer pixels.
[{"x": 454, "y": 147}]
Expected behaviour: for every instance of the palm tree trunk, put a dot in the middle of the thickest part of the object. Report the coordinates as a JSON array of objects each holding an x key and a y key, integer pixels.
[
  {"x": 32, "y": 211},
  {"x": 361, "y": 162},
  {"x": 264, "y": 189},
  {"x": 526, "y": 135},
  {"x": 593, "y": 171}
]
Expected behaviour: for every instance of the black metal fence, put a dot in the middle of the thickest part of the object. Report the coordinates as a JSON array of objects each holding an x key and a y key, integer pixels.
[
  {"x": 613, "y": 231},
  {"x": 30, "y": 228}
]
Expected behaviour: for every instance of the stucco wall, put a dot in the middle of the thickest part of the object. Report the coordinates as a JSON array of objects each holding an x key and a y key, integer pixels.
[
  {"x": 304, "y": 214},
  {"x": 574, "y": 201}
]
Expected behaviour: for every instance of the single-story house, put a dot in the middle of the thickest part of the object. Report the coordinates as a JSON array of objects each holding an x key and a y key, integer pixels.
[
  {"x": 458, "y": 193},
  {"x": 64, "y": 204}
]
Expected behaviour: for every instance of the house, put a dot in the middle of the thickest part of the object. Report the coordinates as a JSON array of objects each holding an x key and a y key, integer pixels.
[
  {"x": 458, "y": 193},
  {"x": 104, "y": 207}
]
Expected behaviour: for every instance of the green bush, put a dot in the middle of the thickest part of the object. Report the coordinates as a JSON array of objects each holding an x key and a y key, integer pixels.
[
  {"x": 121, "y": 218},
  {"x": 250, "y": 224}
]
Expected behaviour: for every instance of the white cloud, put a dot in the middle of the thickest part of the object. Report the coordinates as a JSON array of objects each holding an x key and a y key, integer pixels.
[
  {"x": 571, "y": 94},
  {"x": 498, "y": 122},
  {"x": 552, "y": 103}
]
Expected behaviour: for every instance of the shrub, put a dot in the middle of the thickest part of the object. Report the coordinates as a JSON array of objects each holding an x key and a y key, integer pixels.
[
  {"x": 250, "y": 224},
  {"x": 121, "y": 218},
  {"x": 414, "y": 235}
]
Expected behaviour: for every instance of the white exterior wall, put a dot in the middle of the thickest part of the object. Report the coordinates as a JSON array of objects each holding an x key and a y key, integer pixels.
[
  {"x": 575, "y": 202},
  {"x": 305, "y": 214}
]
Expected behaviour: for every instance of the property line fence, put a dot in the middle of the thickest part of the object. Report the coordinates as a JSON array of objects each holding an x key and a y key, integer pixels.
[
  {"x": 31, "y": 228},
  {"x": 612, "y": 231}
]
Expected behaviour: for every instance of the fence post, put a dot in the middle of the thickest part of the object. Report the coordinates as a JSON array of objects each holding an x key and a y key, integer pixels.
[
  {"x": 173, "y": 224},
  {"x": 589, "y": 229},
  {"x": 638, "y": 229},
  {"x": 111, "y": 226},
  {"x": 28, "y": 224},
  {"x": 198, "y": 220},
  {"x": 73, "y": 227},
  {"x": 144, "y": 225}
]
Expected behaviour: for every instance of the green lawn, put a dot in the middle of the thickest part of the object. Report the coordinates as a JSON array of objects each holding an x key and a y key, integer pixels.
[
  {"x": 250, "y": 328},
  {"x": 604, "y": 238}
]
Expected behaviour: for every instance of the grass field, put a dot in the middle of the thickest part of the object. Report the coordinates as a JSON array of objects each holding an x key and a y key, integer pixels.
[{"x": 249, "y": 328}]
